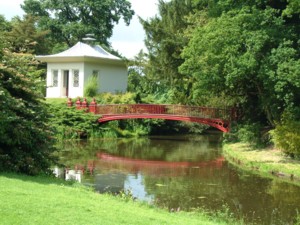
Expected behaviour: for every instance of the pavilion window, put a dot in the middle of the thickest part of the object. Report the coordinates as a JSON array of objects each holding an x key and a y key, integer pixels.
[
  {"x": 55, "y": 78},
  {"x": 95, "y": 73},
  {"x": 75, "y": 78}
]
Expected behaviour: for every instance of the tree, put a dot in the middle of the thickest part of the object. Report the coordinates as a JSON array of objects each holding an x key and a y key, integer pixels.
[
  {"x": 250, "y": 54},
  {"x": 70, "y": 20},
  {"x": 138, "y": 82},
  {"x": 4, "y": 27},
  {"x": 26, "y": 143},
  {"x": 292, "y": 9},
  {"x": 25, "y": 37},
  {"x": 165, "y": 41}
]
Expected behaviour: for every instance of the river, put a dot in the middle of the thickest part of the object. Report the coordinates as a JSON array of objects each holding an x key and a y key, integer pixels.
[{"x": 179, "y": 173}]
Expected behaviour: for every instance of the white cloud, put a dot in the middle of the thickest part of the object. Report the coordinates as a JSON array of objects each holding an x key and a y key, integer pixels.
[
  {"x": 129, "y": 40},
  {"x": 129, "y": 49}
]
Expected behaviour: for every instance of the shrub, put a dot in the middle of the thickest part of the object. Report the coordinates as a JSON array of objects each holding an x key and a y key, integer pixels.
[
  {"x": 286, "y": 135},
  {"x": 91, "y": 88},
  {"x": 26, "y": 139},
  {"x": 109, "y": 98},
  {"x": 250, "y": 133},
  {"x": 70, "y": 123}
]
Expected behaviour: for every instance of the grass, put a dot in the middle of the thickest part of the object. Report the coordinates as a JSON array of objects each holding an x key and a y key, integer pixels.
[
  {"x": 268, "y": 162},
  {"x": 59, "y": 101},
  {"x": 43, "y": 200}
]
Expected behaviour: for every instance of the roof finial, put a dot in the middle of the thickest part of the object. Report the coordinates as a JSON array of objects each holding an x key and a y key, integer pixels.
[{"x": 89, "y": 39}]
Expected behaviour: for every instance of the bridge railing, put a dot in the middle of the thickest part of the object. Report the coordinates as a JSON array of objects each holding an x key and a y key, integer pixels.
[
  {"x": 190, "y": 111},
  {"x": 166, "y": 109}
]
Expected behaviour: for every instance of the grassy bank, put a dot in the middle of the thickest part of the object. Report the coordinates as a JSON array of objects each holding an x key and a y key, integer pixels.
[
  {"x": 268, "y": 162},
  {"x": 39, "y": 200}
]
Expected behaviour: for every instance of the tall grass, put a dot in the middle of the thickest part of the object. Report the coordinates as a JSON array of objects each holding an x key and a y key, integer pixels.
[{"x": 91, "y": 88}]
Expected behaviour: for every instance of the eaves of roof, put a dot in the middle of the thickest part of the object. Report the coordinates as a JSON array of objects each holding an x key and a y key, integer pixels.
[{"x": 89, "y": 59}]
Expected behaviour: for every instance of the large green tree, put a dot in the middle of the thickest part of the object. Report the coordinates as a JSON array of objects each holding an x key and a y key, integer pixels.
[
  {"x": 5, "y": 26},
  {"x": 70, "y": 20},
  {"x": 24, "y": 36},
  {"x": 250, "y": 52},
  {"x": 165, "y": 41},
  {"x": 26, "y": 142}
]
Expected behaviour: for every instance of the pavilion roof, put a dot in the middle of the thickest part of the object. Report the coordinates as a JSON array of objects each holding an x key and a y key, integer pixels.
[{"x": 80, "y": 50}]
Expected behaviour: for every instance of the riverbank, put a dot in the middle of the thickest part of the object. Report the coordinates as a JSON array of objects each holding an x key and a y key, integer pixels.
[
  {"x": 44, "y": 200},
  {"x": 268, "y": 162}
]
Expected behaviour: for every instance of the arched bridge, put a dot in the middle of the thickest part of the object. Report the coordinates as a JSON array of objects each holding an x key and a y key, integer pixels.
[{"x": 219, "y": 118}]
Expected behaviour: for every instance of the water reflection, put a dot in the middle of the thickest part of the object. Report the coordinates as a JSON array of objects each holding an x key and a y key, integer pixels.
[
  {"x": 67, "y": 174},
  {"x": 153, "y": 167},
  {"x": 180, "y": 173}
]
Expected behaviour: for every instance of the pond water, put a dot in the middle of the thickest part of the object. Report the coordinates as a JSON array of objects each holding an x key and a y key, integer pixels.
[{"x": 179, "y": 173}]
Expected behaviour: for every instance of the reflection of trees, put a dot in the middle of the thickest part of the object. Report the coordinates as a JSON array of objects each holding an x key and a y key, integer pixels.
[
  {"x": 163, "y": 149},
  {"x": 283, "y": 195},
  {"x": 209, "y": 185},
  {"x": 211, "y": 188},
  {"x": 74, "y": 152},
  {"x": 179, "y": 149},
  {"x": 197, "y": 187}
]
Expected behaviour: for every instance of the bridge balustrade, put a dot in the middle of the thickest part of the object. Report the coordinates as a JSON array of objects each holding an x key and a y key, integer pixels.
[
  {"x": 184, "y": 110},
  {"x": 193, "y": 111},
  {"x": 216, "y": 117}
]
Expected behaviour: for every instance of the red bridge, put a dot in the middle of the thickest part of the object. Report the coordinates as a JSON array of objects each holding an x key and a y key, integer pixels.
[{"x": 219, "y": 118}]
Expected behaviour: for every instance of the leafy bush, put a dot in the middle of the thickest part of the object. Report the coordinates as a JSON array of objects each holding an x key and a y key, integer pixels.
[
  {"x": 109, "y": 98},
  {"x": 91, "y": 88},
  {"x": 69, "y": 122},
  {"x": 253, "y": 134},
  {"x": 286, "y": 135},
  {"x": 250, "y": 133},
  {"x": 26, "y": 139}
]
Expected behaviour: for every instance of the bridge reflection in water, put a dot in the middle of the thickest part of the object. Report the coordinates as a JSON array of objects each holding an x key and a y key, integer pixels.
[
  {"x": 192, "y": 175},
  {"x": 153, "y": 167},
  {"x": 115, "y": 180},
  {"x": 219, "y": 118}
]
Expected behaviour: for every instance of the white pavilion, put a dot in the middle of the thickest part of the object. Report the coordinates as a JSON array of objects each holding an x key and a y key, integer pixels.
[{"x": 69, "y": 71}]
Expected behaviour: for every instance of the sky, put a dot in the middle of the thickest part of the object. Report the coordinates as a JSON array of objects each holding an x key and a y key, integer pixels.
[{"x": 128, "y": 40}]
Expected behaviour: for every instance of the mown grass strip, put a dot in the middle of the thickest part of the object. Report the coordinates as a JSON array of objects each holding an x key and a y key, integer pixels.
[
  {"x": 267, "y": 162},
  {"x": 42, "y": 200}
]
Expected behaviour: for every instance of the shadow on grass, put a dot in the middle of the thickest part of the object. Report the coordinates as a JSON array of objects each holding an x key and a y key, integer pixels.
[{"x": 40, "y": 179}]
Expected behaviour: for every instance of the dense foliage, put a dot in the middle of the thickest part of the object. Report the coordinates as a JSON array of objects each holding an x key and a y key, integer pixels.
[
  {"x": 91, "y": 88},
  {"x": 27, "y": 124},
  {"x": 69, "y": 123},
  {"x": 226, "y": 52},
  {"x": 286, "y": 136},
  {"x": 26, "y": 139},
  {"x": 249, "y": 54},
  {"x": 70, "y": 20}
]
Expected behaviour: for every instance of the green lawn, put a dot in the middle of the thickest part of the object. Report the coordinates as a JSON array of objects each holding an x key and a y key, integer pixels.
[
  {"x": 267, "y": 162},
  {"x": 42, "y": 200}
]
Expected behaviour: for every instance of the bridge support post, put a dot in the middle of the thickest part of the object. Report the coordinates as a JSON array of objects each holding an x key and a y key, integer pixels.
[
  {"x": 93, "y": 106},
  {"x": 78, "y": 104},
  {"x": 70, "y": 103},
  {"x": 84, "y": 105}
]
